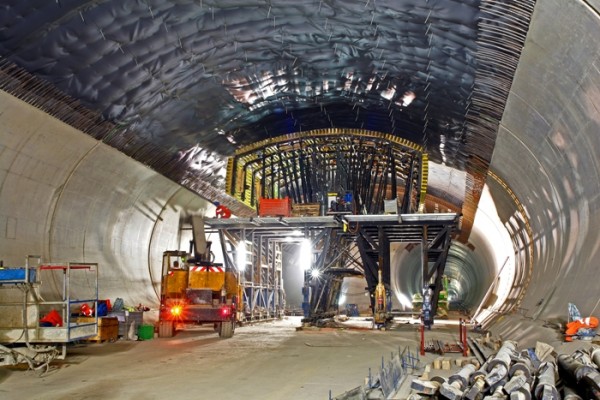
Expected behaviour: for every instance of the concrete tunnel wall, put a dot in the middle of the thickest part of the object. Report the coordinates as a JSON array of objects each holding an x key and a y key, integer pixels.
[
  {"x": 67, "y": 197},
  {"x": 548, "y": 153}
]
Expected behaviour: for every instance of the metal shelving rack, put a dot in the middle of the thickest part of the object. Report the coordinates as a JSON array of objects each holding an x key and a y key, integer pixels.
[{"x": 22, "y": 306}]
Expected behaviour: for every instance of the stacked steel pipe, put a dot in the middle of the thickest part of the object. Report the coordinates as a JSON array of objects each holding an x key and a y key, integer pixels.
[
  {"x": 457, "y": 383},
  {"x": 580, "y": 370},
  {"x": 514, "y": 375},
  {"x": 477, "y": 381}
]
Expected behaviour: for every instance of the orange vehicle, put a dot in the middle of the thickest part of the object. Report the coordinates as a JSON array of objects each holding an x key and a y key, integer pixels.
[{"x": 198, "y": 291}]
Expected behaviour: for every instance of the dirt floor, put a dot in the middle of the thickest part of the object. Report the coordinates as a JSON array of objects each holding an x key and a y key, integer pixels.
[{"x": 272, "y": 360}]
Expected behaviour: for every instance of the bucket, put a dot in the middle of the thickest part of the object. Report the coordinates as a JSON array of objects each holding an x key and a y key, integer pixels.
[{"x": 146, "y": 332}]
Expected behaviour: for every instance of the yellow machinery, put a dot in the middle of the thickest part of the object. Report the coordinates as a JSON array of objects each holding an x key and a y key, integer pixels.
[
  {"x": 198, "y": 291},
  {"x": 380, "y": 314}
]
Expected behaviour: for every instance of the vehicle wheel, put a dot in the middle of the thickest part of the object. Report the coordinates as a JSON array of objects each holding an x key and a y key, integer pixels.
[
  {"x": 226, "y": 330},
  {"x": 166, "y": 328},
  {"x": 217, "y": 327}
]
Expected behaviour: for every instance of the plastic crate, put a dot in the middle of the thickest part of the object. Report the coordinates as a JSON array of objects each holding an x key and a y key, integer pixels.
[
  {"x": 306, "y": 210},
  {"x": 16, "y": 274},
  {"x": 275, "y": 207},
  {"x": 126, "y": 318}
]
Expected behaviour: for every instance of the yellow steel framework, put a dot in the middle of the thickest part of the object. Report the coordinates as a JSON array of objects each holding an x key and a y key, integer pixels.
[{"x": 308, "y": 165}]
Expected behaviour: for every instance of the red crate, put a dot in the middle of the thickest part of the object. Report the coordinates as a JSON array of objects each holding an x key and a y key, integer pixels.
[{"x": 275, "y": 207}]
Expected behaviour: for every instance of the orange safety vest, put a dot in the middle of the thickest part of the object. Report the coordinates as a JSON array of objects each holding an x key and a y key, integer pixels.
[{"x": 573, "y": 327}]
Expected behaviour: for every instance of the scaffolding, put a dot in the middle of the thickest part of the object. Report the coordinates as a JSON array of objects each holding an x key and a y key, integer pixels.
[
  {"x": 339, "y": 246},
  {"x": 260, "y": 273}
]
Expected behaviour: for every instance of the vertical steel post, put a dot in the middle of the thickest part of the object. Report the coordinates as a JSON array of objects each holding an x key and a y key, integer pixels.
[
  {"x": 464, "y": 341},
  {"x": 422, "y": 339},
  {"x": 305, "y": 293}
]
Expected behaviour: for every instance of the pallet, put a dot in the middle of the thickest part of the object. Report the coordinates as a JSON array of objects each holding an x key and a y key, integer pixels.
[
  {"x": 97, "y": 339},
  {"x": 439, "y": 347},
  {"x": 306, "y": 210}
]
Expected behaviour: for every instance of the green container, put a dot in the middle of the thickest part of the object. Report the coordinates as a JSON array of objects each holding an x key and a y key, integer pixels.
[{"x": 146, "y": 332}]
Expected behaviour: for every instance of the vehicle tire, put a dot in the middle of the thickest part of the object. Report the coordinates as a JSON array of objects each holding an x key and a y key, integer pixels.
[
  {"x": 226, "y": 330},
  {"x": 166, "y": 328},
  {"x": 217, "y": 327}
]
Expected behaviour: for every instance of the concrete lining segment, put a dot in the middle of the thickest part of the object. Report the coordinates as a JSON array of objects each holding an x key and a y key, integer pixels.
[
  {"x": 96, "y": 204},
  {"x": 546, "y": 154},
  {"x": 594, "y": 4}
]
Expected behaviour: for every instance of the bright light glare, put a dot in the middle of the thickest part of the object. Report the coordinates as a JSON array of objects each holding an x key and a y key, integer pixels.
[
  {"x": 488, "y": 221},
  {"x": 176, "y": 311},
  {"x": 305, "y": 256},
  {"x": 405, "y": 301},
  {"x": 225, "y": 311},
  {"x": 315, "y": 273},
  {"x": 408, "y": 98},
  {"x": 293, "y": 236},
  {"x": 241, "y": 256}
]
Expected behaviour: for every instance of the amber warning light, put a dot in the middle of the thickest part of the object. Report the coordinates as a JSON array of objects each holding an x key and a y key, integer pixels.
[{"x": 176, "y": 311}]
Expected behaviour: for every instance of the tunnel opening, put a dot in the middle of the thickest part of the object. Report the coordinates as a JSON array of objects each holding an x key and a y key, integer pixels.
[
  {"x": 486, "y": 275},
  {"x": 469, "y": 273}
]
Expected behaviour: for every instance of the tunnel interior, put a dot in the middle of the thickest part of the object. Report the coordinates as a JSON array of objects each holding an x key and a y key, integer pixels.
[
  {"x": 469, "y": 275},
  {"x": 117, "y": 121}
]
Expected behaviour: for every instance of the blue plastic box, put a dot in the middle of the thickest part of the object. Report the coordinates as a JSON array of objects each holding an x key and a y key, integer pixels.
[{"x": 16, "y": 274}]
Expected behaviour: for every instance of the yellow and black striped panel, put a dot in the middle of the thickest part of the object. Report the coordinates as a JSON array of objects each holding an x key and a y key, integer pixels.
[
  {"x": 424, "y": 179},
  {"x": 282, "y": 151}
]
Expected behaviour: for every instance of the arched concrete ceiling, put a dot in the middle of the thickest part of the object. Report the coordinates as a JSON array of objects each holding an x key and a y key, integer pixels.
[{"x": 183, "y": 84}]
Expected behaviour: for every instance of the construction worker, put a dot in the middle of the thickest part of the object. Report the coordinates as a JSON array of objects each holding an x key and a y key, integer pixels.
[
  {"x": 581, "y": 328},
  {"x": 222, "y": 211}
]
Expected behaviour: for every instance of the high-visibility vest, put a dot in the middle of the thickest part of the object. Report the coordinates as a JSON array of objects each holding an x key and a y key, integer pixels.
[{"x": 589, "y": 322}]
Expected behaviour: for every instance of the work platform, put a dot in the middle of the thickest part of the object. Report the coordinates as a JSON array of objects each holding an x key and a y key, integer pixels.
[
  {"x": 339, "y": 245},
  {"x": 23, "y": 305},
  {"x": 392, "y": 223},
  {"x": 27, "y": 333}
]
